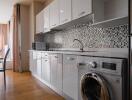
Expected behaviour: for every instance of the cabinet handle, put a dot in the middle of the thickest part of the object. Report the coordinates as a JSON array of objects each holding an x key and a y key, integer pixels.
[
  {"x": 69, "y": 58},
  {"x": 54, "y": 25},
  {"x": 46, "y": 60},
  {"x": 65, "y": 20},
  {"x": 82, "y": 13},
  {"x": 45, "y": 28},
  {"x": 56, "y": 56}
]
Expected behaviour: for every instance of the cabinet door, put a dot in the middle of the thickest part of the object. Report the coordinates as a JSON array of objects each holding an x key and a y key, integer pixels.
[
  {"x": 70, "y": 76},
  {"x": 31, "y": 61},
  {"x": 47, "y": 19},
  {"x": 39, "y": 59},
  {"x": 81, "y": 8},
  {"x": 40, "y": 22},
  {"x": 46, "y": 70},
  {"x": 65, "y": 11},
  {"x": 34, "y": 62},
  {"x": 56, "y": 72},
  {"x": 54, "y": 13}
]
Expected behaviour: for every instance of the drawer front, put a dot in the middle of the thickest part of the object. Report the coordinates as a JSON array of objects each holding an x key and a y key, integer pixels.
[
  {"x": 45, "y": 55},
  {"x": 39, "y": 55},
  {"x": 34, "y": 55}
]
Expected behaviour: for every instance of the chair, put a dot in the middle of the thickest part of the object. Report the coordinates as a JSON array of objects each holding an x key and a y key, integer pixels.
[{"x": 3, "y": 69}]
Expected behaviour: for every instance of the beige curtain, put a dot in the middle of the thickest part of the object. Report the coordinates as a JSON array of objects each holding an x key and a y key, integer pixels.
[
  {"x": 16, "y": 46},
  {"x": 3, "y": 37}
]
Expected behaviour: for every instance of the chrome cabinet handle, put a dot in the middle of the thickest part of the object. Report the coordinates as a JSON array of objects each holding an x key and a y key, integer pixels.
[
  {"x": 65, "y": 20},
  {"x": 45, "y": 28},
  {"x": 56, "y": 56},
  {"x": 70, "y": 58},
  {"x": 82, "y": 13},
  {"x": 54, "y": 25}
]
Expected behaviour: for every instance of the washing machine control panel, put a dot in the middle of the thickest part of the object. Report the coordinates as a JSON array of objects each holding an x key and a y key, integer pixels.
[
  {"x": 110, "y": 66},
  {"x": 100, "y": 64}
]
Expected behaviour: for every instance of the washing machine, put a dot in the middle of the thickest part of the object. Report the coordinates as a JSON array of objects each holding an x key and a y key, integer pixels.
[{"x": 101, "y": 78}]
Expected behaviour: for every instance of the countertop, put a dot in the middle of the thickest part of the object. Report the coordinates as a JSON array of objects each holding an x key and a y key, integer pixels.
[{"x": 114, "y": 53}]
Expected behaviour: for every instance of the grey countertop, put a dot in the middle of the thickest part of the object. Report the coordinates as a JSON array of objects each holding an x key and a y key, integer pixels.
[{"x": 116, "y": 53}]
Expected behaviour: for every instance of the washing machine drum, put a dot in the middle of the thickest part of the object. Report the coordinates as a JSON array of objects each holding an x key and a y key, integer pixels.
[{"x": 93, "y": 87}]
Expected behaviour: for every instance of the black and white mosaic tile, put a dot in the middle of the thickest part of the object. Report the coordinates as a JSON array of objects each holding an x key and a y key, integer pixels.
[{"x": 113, "y": 37}]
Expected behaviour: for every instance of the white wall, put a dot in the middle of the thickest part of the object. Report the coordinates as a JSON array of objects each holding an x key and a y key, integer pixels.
[
  {"x": 24, "y": 37},
  {"x": 6, "y": 9}
]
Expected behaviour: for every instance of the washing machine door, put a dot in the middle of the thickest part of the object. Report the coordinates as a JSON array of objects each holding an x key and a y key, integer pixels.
[{"x": 93, "y": 87}]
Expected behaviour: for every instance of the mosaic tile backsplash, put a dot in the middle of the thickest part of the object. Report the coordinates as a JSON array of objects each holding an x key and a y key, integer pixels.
[{"x": 113, "y": 37}]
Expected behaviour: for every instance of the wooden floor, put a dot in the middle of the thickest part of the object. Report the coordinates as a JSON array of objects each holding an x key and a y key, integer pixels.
[{"x": 22, "y": 86}]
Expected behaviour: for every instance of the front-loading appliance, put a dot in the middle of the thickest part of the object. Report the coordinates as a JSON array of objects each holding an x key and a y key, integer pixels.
[{"x": 101, "y": 78}]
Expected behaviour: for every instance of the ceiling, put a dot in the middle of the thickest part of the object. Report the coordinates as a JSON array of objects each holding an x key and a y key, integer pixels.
[
  {"x": 6, "y": 8},
  {"x": 27, "y": 2}
]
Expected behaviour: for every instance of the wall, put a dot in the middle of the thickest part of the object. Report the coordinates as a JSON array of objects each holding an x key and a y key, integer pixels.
[
  {"x": 47, "y": 2},
  {"x": 113, "y": 37},
  {"x": 24, "y": 37},
  {"x": 31, "y": 12}
]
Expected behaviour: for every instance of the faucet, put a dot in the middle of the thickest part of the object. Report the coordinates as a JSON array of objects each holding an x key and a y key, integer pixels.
[{"x": 82, "y": 46}]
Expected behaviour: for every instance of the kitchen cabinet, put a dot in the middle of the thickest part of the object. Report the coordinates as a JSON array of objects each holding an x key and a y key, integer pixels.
[
  {"x": 39, "y": 64},
  {"x": 110, "y": 13},
  {"x": 81, "y": 8},
  {"x": 56, "y": 72},
  {"x": 65, "y": 11},
  {"x": 46, "y": 19},
  {"x": 40, "y": 22},
  {"x": 45, "y": 68},
  {"x": 70, "y": 77},
  {"x": 32, "y": 62},
  {"x": 54, "y": 14}
]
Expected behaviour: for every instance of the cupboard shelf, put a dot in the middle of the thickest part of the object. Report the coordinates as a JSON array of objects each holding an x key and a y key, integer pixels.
[{"x": 111, "y": 22}]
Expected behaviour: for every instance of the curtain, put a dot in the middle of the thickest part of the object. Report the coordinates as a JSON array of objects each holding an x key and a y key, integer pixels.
[
  {"x": 3, "y": 37},
  {"x": 16, "y": 44}
]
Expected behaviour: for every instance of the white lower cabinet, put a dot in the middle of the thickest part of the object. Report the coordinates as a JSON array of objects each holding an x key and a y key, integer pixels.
[
  {"x": 46, "y": 70},
  {"x": 70, "y": 77},
  {"x": 39, "y": 65},
  {"x": 56, "y": 72},
  {"x": 33, "y": 62}
]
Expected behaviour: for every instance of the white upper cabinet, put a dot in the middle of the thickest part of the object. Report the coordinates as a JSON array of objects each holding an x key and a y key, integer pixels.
[
  {"x": 65, "y": 11},
  {"x": 47, "y": 19},
  {"x": 81, "y": 8},
  {"x": 40, "y": 22},
  {"x": 54, "y": 13}
]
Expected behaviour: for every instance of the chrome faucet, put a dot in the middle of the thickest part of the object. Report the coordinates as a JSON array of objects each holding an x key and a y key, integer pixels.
[{"x": 82, "y": 46}]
